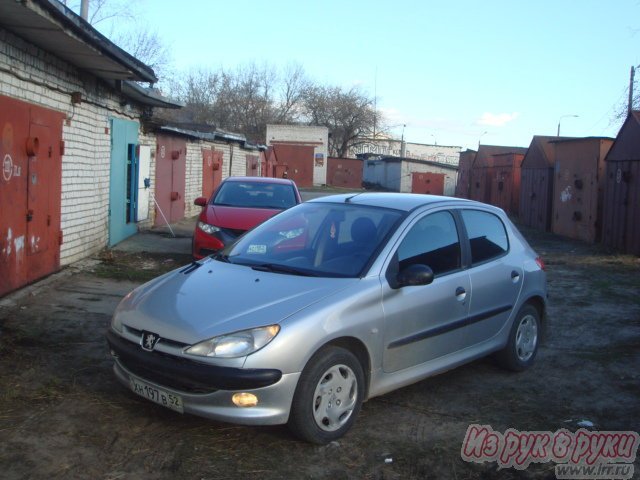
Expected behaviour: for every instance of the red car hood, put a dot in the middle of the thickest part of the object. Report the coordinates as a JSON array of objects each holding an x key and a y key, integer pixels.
[{"x": 236, "y": 218}]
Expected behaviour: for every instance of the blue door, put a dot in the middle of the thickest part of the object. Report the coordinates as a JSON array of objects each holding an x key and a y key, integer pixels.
[{"x": 124, "y": 184}]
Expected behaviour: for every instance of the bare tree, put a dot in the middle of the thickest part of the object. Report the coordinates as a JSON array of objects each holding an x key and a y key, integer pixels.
[
  {"x": 131, "y": 35},
  {"x": 348, "y": 114},
  {"x": 622, "y": 109},
  {"x": 243, "y": 100},
  {"x": 248, "y": 98},
  {"x": 293, "y": 87}
]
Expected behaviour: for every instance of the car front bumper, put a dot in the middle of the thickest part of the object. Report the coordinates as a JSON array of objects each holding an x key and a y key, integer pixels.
[{"x": 211, "y": 397}]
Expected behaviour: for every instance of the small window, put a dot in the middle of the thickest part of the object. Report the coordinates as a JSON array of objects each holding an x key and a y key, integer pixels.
[
  {"x": 432, "y": 241},
  {"x": 487, "y": 235}
]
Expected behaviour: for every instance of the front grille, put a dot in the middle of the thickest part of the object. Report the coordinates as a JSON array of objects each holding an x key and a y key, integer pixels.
[
  {"x": 169, "y": 381},
  {"x": 165, "y": 341},
  {"x": 161, "y": 378}
]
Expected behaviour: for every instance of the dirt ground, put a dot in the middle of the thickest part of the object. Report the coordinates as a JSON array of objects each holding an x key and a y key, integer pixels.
[{"x": 63, "y": 415}]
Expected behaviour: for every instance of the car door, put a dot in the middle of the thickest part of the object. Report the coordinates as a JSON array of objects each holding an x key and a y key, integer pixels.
[
  {"x": 495, "y": 274},
  {"x": 423, "y": 322}
]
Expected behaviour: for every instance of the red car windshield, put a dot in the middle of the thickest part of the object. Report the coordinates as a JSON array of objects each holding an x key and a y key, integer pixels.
[{"x": 255, "y": 195}]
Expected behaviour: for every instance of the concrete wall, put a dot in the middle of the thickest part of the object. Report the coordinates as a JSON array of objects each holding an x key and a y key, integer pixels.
[
  {"x": 305, "y": 135},
  {"x": 30, "y": 74}
]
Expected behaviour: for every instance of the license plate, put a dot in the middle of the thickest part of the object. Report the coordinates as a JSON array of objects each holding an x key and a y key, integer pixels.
[{"x": 157, "y": 395}]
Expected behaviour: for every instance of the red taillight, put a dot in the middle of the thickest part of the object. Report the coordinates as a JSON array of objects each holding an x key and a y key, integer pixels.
[{"x": 540, "y": 263}]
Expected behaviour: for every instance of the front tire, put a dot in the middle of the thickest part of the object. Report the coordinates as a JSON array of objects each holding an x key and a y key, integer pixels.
[
  {"x": 328, "y": 396},
  {"x": 524, "y": 338}
]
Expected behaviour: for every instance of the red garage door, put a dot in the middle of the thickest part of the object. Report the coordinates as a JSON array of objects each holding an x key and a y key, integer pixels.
[
  {"x": 427, "y": 182},
  {"x": 170, "y": 178},
  {"x": 30, "y": 191}
]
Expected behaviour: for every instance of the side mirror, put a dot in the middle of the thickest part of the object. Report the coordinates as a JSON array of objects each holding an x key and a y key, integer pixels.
[
  {"x": 200, "y": 201},
  {"x": 413, "y": 275}
]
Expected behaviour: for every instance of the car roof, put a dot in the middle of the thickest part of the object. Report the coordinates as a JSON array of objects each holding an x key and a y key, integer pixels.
[
  {"x": 399, "y": 201},
  {"x": 281, "y": 181}
]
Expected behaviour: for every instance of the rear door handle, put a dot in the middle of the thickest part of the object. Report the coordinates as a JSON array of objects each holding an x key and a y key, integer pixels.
[
  {"x": 515, "y": 276},
  {"x": 461, "y": 293}
]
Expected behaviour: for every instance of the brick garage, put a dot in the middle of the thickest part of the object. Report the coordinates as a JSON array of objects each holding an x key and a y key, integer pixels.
[
  {"x": 39, "y": 68},
  {"x": 229, "y": 153},
  {"x": 304, "y": 149},
  {"x": 397, "y": 174}
]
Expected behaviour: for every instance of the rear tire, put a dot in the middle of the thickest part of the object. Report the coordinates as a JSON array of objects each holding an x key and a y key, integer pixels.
[
  {"x": 524, "y": 338},
  {"x": 328, "y": 396}
]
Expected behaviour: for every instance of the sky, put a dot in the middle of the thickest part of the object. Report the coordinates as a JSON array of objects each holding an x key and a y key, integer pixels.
[{"x": 455, "y": 72}]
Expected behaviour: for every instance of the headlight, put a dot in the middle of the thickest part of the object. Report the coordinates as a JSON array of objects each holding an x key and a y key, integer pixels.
[
  {"x": 206, "y": 228},
  {"x": 236, "y": 344}
]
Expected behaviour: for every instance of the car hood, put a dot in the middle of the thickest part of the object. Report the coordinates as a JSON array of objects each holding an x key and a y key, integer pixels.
[
  {"x": 192, "y": 304},
  {"x": 237, "y": 218}
]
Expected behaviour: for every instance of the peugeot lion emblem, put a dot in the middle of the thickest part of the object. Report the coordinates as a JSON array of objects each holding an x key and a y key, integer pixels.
[{"x": 149, "y": 341}]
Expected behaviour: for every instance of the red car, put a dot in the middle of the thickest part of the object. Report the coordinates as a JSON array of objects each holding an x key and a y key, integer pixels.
[{"x": 238, "y": 205}]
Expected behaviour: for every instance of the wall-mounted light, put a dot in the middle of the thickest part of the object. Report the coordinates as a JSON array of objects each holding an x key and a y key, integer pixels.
[{"x": 76, "y": 98}]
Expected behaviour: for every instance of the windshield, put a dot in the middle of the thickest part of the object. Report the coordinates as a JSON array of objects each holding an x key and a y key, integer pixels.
[
  {"x": 255, "y": 195},
  {"x": 316, "y": 239}
]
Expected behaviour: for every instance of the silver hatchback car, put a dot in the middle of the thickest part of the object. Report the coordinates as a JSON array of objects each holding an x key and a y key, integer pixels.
[{"x": 331, "y": 303}]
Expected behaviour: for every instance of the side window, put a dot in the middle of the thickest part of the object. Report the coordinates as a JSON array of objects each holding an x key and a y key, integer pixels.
[
  {"x": 432, "y": 241},
  {"x": 487, "y": 235}
]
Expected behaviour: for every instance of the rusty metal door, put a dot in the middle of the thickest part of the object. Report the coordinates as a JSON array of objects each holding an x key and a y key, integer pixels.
[
  {"x": 217, "y": 168},
  {"x": 38, "y": 217},
  {"x": 170, "y": 178},
  {"x": 207, "y": 172},
  {"x": 14, "y": 121},
  {"x": 427, "y": 182},
  {"x": 501, "y": 188},
  {"x": 30, "y": 191},
  {"x": 211, "y": 171},
  {"x": 252, "y": 165}
]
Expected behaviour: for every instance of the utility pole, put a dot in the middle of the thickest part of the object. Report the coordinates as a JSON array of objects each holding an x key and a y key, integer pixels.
[
  {"x": 84, "y": 9},
  {"x": 375, "y": 102},
  {"x": 633, "y": 74}
]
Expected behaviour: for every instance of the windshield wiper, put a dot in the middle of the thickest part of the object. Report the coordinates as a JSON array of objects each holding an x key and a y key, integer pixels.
[
  {"x": 277, "y": 268},
  {"x": 221, "y": 257}
]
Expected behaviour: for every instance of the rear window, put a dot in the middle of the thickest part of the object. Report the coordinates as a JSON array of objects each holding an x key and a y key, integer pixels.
[
  {"x": 487, "y": 235},
  {"x": 255, "y": 195}
]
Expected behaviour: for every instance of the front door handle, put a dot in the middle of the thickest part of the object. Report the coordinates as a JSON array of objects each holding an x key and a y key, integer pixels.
[{"x": 461, "y": 293}]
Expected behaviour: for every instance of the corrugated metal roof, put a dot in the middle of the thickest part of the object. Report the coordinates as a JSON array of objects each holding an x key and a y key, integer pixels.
[
  {"x": 212, "y": 135},
  {"x": 55, "y": 28},
  {"x": 148, "y": 96}
]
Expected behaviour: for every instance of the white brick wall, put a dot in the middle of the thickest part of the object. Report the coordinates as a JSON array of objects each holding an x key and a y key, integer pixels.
[
  {"x": 193, "y": 173},
  {"x": 149, "y": 139},
  {"x": 304, "y": 134},
  {"x": 30, "y": 74},
  {"x": 450, "y": 176}
]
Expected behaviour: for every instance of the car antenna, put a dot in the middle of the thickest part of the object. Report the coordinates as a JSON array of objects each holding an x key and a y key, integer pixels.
[{"x": 348, "y": 199}]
